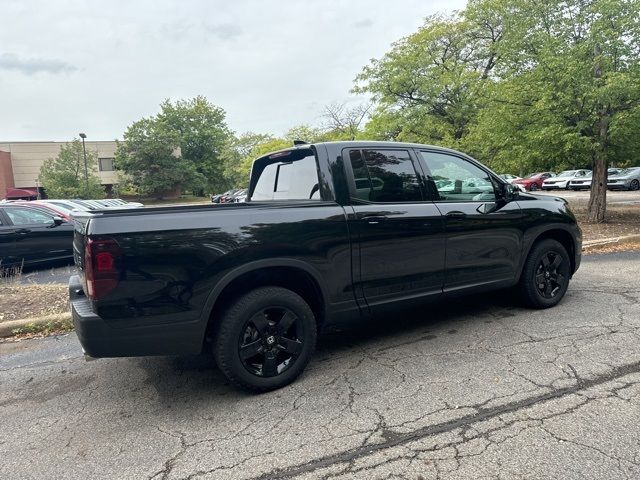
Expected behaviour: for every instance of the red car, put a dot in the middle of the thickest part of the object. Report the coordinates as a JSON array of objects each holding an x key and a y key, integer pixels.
[{"x": 534, "y": 181}]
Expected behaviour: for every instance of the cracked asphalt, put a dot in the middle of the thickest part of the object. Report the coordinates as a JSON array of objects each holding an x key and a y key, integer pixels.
[{"x": 479, "y": 389}]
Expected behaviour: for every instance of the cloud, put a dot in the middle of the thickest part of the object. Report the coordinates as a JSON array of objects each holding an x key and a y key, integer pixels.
[
  {"x": 224, "y": 31},
  {"x": 364, "y": 23},
  {"x": 30, "y": 66}
]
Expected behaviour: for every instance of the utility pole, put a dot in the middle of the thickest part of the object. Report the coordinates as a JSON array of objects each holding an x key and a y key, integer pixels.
[{"x": 86, "y": 172}]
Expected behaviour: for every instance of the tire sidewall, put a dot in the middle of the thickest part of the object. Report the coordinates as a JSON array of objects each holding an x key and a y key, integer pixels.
[
  {"x": 529, "y": 274},
  {"x": 232, "y": 326}
]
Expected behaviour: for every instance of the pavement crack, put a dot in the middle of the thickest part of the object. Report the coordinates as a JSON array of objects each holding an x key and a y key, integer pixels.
[{"x": 394, "y": 439}]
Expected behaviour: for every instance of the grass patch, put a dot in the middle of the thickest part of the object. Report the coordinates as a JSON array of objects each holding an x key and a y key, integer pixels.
[{"x": 55, "y": 326}]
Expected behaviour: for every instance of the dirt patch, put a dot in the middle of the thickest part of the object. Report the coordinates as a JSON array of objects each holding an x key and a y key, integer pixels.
[
  {"x": 29, "y": 301},
  {"x": 621, "y": 221}
]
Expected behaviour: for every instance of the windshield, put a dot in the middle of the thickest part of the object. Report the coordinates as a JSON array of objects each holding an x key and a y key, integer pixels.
[
  {"x": 568, "y": 173},
  {"x": 627, "y": 171}
]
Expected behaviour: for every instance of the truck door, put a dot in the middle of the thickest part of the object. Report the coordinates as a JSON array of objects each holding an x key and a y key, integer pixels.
[
  {"x": 484, "y": 235},
  {"x": 399, "y": 232}
]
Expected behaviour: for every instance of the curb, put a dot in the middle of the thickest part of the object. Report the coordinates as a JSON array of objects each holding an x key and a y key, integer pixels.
[
  {"x": 7, "y": 328},
  {"x": 608, "y": 241}
]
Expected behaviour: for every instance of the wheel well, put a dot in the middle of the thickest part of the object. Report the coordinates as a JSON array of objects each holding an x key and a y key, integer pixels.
[
  {"x": 565, "y": 239},
  {"x": 291, "y": 278}
]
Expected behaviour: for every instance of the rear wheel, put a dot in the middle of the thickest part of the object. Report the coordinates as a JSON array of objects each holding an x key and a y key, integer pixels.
[
  {"x": 265, "y": 339},
  {"x": 635, "y": 185},
  {"x": 545, "y": 277}
]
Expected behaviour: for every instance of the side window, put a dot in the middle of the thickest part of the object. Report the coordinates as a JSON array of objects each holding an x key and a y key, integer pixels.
[
  {"x": 385, "y": 176},
  {"x": 458, "y": 180},
  {"x": 295, "y": 180},
  {"x": 28, "y": 216}
]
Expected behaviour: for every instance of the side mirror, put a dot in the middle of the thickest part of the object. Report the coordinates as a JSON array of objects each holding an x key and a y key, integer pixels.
[
  {"x": 57, "y": 221},
  {"x": 509, "y": 192}
]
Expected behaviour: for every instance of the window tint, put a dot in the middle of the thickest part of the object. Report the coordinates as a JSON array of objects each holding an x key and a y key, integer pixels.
[
  {"x": 385, "y": 176},
  {"x": 296, "y": 180},
  {"x": 457, "y": 179},
  {"x": 28, "y": 216}
]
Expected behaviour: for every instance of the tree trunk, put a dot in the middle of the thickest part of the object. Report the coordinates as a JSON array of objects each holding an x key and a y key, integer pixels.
[{"x": 598, "y": 197}]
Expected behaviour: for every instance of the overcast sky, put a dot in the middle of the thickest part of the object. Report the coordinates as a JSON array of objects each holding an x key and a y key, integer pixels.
[{"x": 96, "y": 66}]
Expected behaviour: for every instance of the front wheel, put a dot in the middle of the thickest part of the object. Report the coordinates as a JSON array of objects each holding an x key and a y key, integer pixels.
[
  {"x": 265, "y": 339},
  {"x": 635, "y": 185},
  {"x": 533, "y": 187},
  {"x": 545, "y": 277}
]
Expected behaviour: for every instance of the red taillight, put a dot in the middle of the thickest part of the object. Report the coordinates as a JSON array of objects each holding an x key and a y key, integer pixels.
[{"x": 102, "y": 259}]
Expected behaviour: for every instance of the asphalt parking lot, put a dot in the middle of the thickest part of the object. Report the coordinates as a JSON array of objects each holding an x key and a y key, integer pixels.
[{"x": 479, "y": 389}]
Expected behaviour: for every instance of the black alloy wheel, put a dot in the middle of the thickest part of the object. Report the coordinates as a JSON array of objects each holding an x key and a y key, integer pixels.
[
  {"x": 635, "y": 185},
  {"x": 271, "y": 342},
  {"x": 533, "y": 187},
  {"x": 549, "y": 280},
  {"x": 546, "y": 273},
  {"x": 265, "y": 338}
]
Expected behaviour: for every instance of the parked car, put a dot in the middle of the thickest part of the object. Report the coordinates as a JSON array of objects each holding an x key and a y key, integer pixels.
[
  {"x": 330, "y": 232},
  {"x": 509, "y": 178},
  {"x": 228, "y": 195},
  {"x": 534, "y": 181},
  {"x": 240, "y": 196},
  {"x": 216, "y": 198},
  {"x": 31, "y": 235},
  {"x": 562, "y": 180},
  {"x": 627, "y": 179},
  {"x": 52, "y": 209},
  {"x": 583, "y": 183}
]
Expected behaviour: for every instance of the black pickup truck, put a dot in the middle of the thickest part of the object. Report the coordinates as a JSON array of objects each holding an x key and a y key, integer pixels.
[{"x": 330, "y": 232}]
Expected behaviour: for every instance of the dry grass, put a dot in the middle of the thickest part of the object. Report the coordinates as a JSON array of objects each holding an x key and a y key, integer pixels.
[{"x": 30, "y": 301}]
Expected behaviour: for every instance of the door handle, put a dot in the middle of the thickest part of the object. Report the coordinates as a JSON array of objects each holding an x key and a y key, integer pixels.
[
  {"x": 23, "y": 230},
  {"x": 456, "y": 214},
  {"x": 374, "y": 219}
]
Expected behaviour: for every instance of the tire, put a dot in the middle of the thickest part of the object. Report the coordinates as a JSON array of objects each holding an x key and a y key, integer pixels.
[
  {"x": 533, "y": 187},
  {"x": 545, "y": 276},
  {"x": 251, "y": 331},
  {"x": 634, "y": 185}
]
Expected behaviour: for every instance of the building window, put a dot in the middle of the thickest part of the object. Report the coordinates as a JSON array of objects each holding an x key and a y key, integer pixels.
[{"x": 105, "y": 164}]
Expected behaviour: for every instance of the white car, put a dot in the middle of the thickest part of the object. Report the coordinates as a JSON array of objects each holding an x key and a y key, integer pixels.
[{"x": 563, "y": 179}]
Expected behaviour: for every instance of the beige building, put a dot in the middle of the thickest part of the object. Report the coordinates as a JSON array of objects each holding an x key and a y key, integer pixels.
[{"x": 20, "y": 163}]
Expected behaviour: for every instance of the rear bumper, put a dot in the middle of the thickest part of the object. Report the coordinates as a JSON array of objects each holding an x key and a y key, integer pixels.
[{"x": 99, "y": 339}]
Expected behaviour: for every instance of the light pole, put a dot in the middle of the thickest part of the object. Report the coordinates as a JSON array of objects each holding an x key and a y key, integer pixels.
[{"x": 86, "y": 173}]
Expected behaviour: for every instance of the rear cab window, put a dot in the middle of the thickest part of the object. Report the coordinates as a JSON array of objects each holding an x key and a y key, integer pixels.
[
  {"x": 384, "y": 176},
  {"x": 288, "y": 175}
]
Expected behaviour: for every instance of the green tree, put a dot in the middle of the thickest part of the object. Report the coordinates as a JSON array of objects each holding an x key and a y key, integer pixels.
[
  {"x": 521, "y": 84},
  {"x": 428, "y": 87},
  {"x": 64, "y": 175},
  {"x": 150, "y": 157},
  {"x": 202, "y": 135},
  {"x": 571, "y": 82}
]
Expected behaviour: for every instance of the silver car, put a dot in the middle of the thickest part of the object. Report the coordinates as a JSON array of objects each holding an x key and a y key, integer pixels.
[
  {"x": 627, "y": 179},
  {"x": 562, "y": 179}
]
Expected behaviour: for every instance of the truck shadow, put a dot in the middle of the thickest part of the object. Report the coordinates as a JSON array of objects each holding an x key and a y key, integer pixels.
[{"x": 197, "y": 377}]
